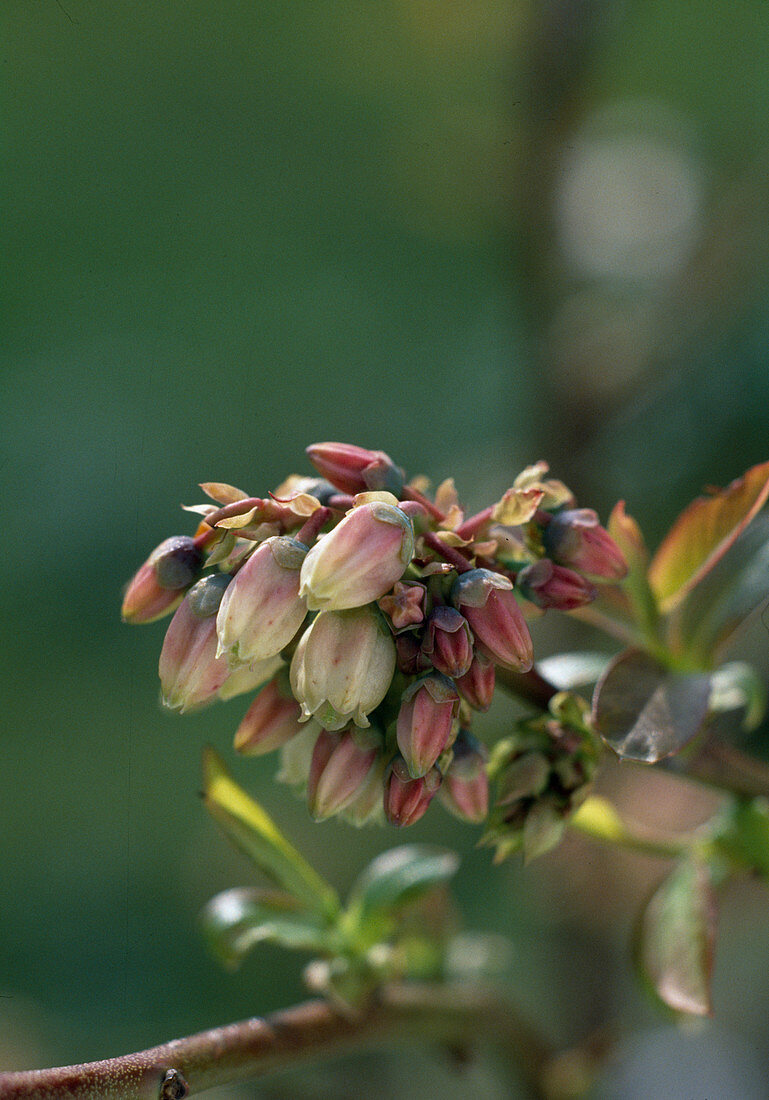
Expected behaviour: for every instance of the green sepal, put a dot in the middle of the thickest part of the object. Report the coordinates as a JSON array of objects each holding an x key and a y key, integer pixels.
[
  {"x": 252, "y": 830},
  {"x": 239, "y": 919}
]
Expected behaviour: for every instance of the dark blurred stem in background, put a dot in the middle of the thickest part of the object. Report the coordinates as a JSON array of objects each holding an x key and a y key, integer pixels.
[{"x": 564, "y": 36}]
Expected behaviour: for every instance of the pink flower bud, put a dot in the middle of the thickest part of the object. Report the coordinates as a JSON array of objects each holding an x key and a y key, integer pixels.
[
  {"x": 190, "y": 671},
  {"x": 360, "y": 559},
  {"x": 355, "y": 469},
  {"x": 424, "y": 722},
  {"x": 342, "y": 667},
  {"x": 477, "y": 685},
  {"x": 407, "y": 799},
  {"x": 367, "y": 806},
  {"x": 339, "y": 767},
  {"x": 465, "y": 789},
  {"x": 411, "y": 659},
  {"x": 448, "y": 642},
  {"x": 489, "y": 605},
  {"x": 549, "y": 585},
  {"x": 271, "y": 720},
  {"x": 575, "y": 538},
  {"x": 261, "y": 610},
  {"x": 145, "y": 600}
]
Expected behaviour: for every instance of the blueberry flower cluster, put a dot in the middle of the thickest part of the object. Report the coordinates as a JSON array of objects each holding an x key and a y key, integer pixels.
[{"x": 372, "y": 619}]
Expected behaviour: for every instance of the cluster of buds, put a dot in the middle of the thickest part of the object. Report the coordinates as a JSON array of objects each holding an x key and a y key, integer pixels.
[
  {"x": 371, "y": 617},
  {"x": 543, "y": 773}
]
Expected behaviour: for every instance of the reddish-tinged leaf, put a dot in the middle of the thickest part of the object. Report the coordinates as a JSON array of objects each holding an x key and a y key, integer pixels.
[
  {"x": 627, "y": 535},
  {"x": 703, "y": 533},
  {"x": 645, "y": 711},
  {"x": 710, "y": 614},
  {"x": 678, "y": 938}
]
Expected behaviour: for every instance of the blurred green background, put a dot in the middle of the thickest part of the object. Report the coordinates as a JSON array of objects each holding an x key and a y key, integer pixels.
[{"x": 473, "y": 235}]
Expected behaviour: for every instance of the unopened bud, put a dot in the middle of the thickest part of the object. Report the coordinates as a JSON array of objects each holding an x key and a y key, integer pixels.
[
  {"x": 271, "y": 720},
  {"x": 339, "y": 767},
  {"x": 262, "y": 610},
  {"x": 576, "y": 538},
  {"x": 448, "y": 642},
  {"x": 465, "y": 789},
  {"x": 360, "y": 559},
  {"x": 488, "y": 603},
  {"x": 145, "y": 601},
  {"x": 355, "y": 469},
  {"x": 190, "y": 671},
  {"x": 411, "y": 659},
  {"x": 177, "y": 562},
  {"x": 548, "y": 585},
  {"x": 342, "y": 667},
  {"x": 477, "y": 685},
  {"x": 424, "y": 722},
  {"x": 407, "y": 799}
]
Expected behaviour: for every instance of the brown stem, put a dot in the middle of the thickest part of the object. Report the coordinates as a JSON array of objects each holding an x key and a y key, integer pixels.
[
  {"x": 723, "y": 766},
  {"x": 438, "y": 1013},
  {"x": 473, "y": 524},
  {"x": 308, "y": 532},
  {"x": 529, "y": 686},
  {"x": 414, "y": 494},
  {"x": 448, "y": 553}
]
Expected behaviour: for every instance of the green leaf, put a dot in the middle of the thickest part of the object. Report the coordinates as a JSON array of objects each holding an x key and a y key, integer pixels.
[
  {"x": 239, "y": 919},
  {"x": 737, "y": 686},
  {"x": 678, "y": 938},
  {"x": 253, "y": 831},
  {"x": 703, "y": 533},
  {"x": 734, "y": 588},
  {"x": 744, "y": 834},
  {"x": 398, "y": 877},
  {"x": 645, "y": 711}
]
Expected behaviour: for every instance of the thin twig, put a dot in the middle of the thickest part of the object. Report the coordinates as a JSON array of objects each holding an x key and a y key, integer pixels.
[{"x": 251, "y": 1048}]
